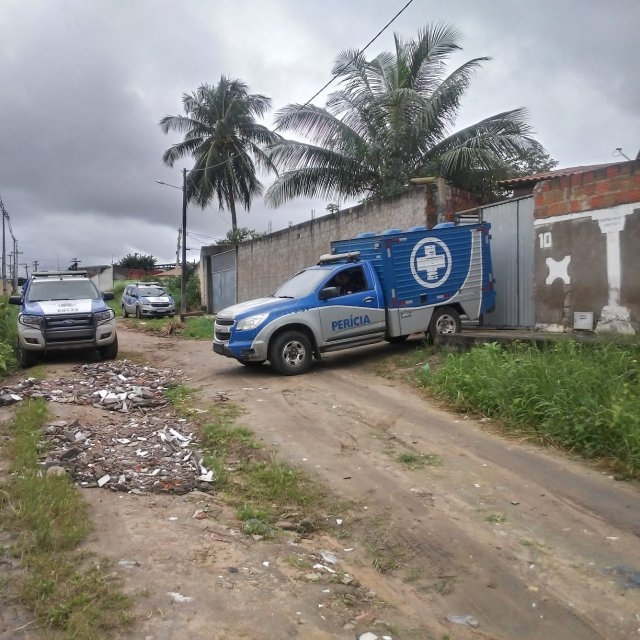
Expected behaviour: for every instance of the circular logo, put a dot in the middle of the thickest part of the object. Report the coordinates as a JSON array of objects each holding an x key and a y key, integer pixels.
[{"x": 431, "y": 262}]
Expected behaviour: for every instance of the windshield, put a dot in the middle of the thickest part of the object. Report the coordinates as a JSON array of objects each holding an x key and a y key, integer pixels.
[
  {"x": 302, "y": 284},
  {"x": 62, "y": 290},
  {"x": 151, "y": 292}
]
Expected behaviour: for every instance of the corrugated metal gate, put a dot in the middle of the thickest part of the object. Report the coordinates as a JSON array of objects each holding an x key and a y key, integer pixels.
[
  {"x": 512, "y": 247},
  {"x": 223, "y": 280}
]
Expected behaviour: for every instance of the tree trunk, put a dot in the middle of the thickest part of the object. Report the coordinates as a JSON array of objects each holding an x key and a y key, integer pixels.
[{"x": 232, "y": 204}]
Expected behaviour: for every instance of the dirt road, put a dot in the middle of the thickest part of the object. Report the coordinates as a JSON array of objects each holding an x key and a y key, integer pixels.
[{"x": 530, "y": 543}]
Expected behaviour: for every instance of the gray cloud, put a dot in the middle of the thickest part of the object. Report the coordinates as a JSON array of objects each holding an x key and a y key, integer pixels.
[{"x": 85, "y": 84}]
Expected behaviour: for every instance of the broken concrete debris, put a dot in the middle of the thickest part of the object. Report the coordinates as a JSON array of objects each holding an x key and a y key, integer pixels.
[
  {"x": 117, "y": 386},
  {"x": 148, "y": 449}
]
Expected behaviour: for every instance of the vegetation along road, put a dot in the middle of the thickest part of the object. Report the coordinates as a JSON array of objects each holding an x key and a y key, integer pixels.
[{"x": 346, "y": 501}]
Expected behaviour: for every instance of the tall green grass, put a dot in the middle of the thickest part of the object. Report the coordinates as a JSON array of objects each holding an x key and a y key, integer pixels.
[
  {"x": 585, "y": 397},
  {"x": 71, "y": 593},
  {"x": 8, "y": 336}
]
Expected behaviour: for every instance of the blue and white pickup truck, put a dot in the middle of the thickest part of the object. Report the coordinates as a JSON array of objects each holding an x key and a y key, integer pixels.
[{"x": 371, "y": 288}]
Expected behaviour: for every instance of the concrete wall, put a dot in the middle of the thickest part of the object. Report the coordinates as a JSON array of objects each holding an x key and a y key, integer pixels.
[
  {"x": 265, "y": 263},
  {"x": 102, "y": 276},
  {"x": 587, "y": 249}
]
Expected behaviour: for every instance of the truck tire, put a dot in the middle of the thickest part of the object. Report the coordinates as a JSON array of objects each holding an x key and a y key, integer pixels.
[
  {"x": 444, "y": 321},
  {"x": 290, "y": 353},
  {"x": 26, "y": 358},
  {"x": 110, "y": 352}
]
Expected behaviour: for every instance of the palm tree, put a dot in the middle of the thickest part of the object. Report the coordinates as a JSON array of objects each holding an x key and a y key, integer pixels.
[
  {"x": 391, "y": 120},
  {"x": 221, "y": 134}
]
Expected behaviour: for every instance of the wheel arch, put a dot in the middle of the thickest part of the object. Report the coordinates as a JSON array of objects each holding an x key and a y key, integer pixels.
[{"x": 302, "y": 328}]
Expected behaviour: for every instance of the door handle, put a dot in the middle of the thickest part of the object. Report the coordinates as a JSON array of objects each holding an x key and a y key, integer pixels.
[{"x": 368, "y": 299}]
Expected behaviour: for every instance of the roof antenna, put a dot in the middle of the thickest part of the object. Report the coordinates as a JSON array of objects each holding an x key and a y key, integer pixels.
[{"x": 619, "y": 152}]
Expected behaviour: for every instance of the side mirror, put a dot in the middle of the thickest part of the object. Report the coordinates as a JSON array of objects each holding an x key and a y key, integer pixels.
[
  {"x": 108, "y": 295},
  {"x": 329, "y": 292},
  {"x": 15, "y": 299}
]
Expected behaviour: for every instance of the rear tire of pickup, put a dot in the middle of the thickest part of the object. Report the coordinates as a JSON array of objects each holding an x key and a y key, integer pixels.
[
  {"x": 444, "y": 321},
  {"x": 110, "y": 352},
  {"x": 290, "y": 353},
  {"x": 26, "y": 358}
]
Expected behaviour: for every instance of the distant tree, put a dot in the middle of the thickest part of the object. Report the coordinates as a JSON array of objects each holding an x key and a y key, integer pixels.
[
  {"x": 137, "y": 261},
  {"x": 390, "y": 120},
  {"x": 535, "y": 160},
  {"x": 226, "y": 142},
  {"x": 240, "y": 235}
]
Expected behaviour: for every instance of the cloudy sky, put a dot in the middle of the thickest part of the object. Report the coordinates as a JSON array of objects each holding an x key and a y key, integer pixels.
[{"x": 84, "y": 84}]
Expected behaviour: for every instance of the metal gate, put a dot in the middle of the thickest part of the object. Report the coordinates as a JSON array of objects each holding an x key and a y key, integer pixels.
[
  {"x": 512, "y": 247},
  {"x": 223, "y": 280}
]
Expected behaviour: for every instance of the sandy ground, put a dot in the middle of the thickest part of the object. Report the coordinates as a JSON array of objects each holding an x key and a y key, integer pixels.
[{"x": 531, "y": 543}]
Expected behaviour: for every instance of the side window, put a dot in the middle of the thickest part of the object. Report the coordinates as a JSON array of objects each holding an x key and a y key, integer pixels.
[{"x": 350, "y": 280}]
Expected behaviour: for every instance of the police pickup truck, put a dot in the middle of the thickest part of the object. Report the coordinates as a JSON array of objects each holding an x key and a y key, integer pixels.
[
  {"x": 371, "y": 288},
  {"x": 61, "y": 310}
]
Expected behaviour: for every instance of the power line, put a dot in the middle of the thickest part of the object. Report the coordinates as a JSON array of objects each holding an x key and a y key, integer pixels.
[{"x": 317, "y": 93}]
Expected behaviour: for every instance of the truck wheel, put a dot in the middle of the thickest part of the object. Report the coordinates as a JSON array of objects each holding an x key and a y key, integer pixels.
[
  {"x": 444, "y": 321},
  {"x": 110, "y": 352},
  {"x": 125, "y": 314},
  {"x": 290, "y": 354},
  {"x": 26, "y": 358}
]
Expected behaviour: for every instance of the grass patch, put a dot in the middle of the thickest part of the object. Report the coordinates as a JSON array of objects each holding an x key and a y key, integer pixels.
[
  {"x": 193, "y": 327},
  {"x": 583, "y": 397},
  {"x": 419, "y": 460},
  {"x": 68, "y": 592},
  {"x": 496, "y": 518}
]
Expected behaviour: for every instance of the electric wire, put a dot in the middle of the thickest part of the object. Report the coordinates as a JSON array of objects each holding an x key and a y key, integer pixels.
[{"x": 327, "y": 84}]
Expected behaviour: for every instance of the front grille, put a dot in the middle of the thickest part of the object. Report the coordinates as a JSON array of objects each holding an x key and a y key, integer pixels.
[
  {"x": 69, "y": 327},
  {"x": 160, "y": 305},
  {"x": 223, "y": 329}
]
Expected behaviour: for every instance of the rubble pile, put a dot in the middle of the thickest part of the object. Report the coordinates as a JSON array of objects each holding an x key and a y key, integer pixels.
[
  {"x": 150, "y": 449},
  {"x": 154, "y": 454},
  {"x": 116, "y": 386}
]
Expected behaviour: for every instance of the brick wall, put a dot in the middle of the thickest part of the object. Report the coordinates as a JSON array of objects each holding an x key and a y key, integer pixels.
[
  {"x": 597, "y": 189},
  {"x": 587, "y": 230}
]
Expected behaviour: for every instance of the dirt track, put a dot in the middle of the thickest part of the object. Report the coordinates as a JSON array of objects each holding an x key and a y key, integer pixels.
[{"x": 531, "y": 543}]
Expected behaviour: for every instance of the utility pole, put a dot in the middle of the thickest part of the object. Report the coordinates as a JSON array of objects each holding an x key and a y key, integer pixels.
[
  {"x": 16, "y": 253},
  {"x": 178, "y": 249},
  {"x": 35, "y": 265},
  {"x": 183, "y": 274}
]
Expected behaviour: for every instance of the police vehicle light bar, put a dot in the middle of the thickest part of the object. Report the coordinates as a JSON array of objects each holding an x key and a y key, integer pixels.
[{"x": 329, "y": 258}]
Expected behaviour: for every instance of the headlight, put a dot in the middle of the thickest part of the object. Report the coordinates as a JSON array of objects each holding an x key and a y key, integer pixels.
[
  {"x": 24, "y": 318},
  {"x": 252, "y": 322},
  {"x": 103, "y": 316}
]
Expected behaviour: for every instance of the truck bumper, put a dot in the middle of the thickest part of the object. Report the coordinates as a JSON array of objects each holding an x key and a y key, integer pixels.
[{"x": 32, "y": 339}]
